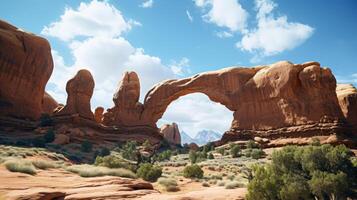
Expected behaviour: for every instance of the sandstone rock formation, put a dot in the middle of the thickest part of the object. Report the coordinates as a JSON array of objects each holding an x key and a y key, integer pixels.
[
  {"x": 25, "y": 67},
  {"x": 98, "y": 114},
  {"x": 79, "y": 90},
  {"x": 171, "y": 133},
  {"x": 49, "y": 104},
  {"x": 347, "y": 97},
  {"x": 127, "y": 109}
]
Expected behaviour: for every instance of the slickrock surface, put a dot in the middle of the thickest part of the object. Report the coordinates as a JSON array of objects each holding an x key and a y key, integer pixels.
[
  {"x": 79, "y": 90},
  {"x": 25, "y": 67},
  {"x": 171, "y": 133},
  {"x": 59, "y": 184}
]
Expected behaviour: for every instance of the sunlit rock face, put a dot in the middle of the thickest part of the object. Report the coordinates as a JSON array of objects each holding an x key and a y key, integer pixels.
[
  {"x": 171, "y": 133},
  {"x": 347, "y": 97},
  {"x": 79, "y": 92},
  {"x": 25, "y": 67}
]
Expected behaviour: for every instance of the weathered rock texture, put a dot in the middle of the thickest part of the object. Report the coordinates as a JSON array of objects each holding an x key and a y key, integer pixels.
[
  {"x": 347, "y": 97},
  {"x": 79, "y": 90},
  {"x": 25, "y": 67},
  {"x": 49, "y": 104},
  {"x": 171, "y": 133},
  {"x": 127, "y": 110},
  {"x": 98, "y": 114}
]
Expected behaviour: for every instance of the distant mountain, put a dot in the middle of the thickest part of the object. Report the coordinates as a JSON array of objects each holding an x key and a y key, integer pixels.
[
  {"x": 202, "y": 137},
  {"x": 185, "y": 138},
  {"x": 205, "y": 136}
]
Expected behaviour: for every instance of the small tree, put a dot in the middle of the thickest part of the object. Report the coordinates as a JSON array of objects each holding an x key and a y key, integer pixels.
[
  {"x": 235, "y": 151},
  {"x": 86, "y": 146},
  {"x": 149, "y": 172},
  {"x": 49, "y": 136},
  {"x": 193, "y": 157},
  {"x": 130, "y": 151},
  {"x": 210, "y": 156},
  {"x": 193, "y": 171}
]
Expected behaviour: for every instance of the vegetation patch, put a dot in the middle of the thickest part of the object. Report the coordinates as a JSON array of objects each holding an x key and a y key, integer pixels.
[
  {"x": 149, "y": 172},
  {"x": 86, "y": 170},
  {"x": 20, "y": 165},
  {"x": 169, "y": 184},
  {"x": 193, "y": 171}
]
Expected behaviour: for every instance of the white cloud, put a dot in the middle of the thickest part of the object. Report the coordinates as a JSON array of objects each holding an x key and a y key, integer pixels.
[
  {"x": 224, "y": 13},
  {"x": 189, "y": 16},
  {"x": 97, "y": 18},
  {"x": 273, "y": 35},
  {"x": 196, "y": 112},
  {"x": 224, "y": 34},
  {"x": 181, "y": 68},
  {"x": 147, "y": 4}
]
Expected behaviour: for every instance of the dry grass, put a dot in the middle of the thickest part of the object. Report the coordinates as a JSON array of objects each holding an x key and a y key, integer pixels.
[
  {"x": 94, "y": 171},
  {"x": 43, "y": 164},
  {"x": 20, "y": 165},
  {"x": 169, "y": 184},
  {"x": 233, "y": 185}
]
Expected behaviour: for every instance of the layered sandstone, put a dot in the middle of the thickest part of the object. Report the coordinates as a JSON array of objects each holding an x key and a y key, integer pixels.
[
  {"x": 171, "y": 133},
  {"x": 25, "y": 67},
  {"x": 127, "y": 110},
  {"x": 79, "y": 90},
  {"x": 49, "y": 104},
  {"x": 347, "y": 97},
  {"x": 98, "y": 114}
]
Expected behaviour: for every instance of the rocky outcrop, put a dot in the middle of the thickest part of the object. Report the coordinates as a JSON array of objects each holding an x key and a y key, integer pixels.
[
  {"x": 347, "y": 97},
  {"x": 79, "y": 90},
  {"x": 98, "y": 114},
  {"x": 49, "y": 104},
  {"x": 171, "y": 133},
  {"x": 127, "y": 110},
  {"x": 25, "y": 67}
]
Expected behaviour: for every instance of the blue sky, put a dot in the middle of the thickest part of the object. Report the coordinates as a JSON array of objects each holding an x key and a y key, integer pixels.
[{"x": 163, "y": 39}]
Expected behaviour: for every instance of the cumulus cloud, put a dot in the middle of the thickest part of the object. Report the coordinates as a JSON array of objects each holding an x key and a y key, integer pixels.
[
  {"x": 181, "y": 67},
  {"x": 273, "y": 35},
  {"x": 224, "y": 13},
  {"x": 189, "y": 16},
  {"x": 196, "y": 112},
  {"x": 147, "y": 4},
  {"x": 96, "y": 18},
  {"x": 224, "y": 34}
]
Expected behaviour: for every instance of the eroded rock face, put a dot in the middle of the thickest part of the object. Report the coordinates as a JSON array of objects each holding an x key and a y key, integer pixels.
[
  {"x": 98, "y": 114},
  {"x": 25, "y": 67},
  {"x": 171, "y": 133},
  {"x": 127, "y": 109},
  {"x": 347, "y": 98},
  {"x": 79, "y": 90},
  {"x": 49, "y": 104}
]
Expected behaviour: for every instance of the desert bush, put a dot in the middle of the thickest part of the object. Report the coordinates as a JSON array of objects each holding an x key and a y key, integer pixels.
[
  {"x": 257, "y": 153},
  {"x": 311, "y": 172},
  {"x": 251, "y": 144},
  {"x": 210, "y": 156},
  {"x": 193, "y": 157},
  {"x": 235, "y": 150},
  {"x": 43, "y": 164},
  {"x": 86, "y": 170},
  {"x": 221, "y": 183},
  {"x": 129, "y": 151},
  {"x": 149, "y": 172},
  {"x": 233, "y": 185},
  {"x": 165, "y": 155},
  {"x": 221, "y": 151},
  {"x": 38, "y": 142},
  {"x": 205, "y": 184},
  {"x": 112, "y": 161},
  {"x": 104, "y": 152},
  {"x": 169, "y": 184},
  {"x": 49, "y": 136},
  {"x": 19, "y": 165},
  {"x": 86, "y": 146},
  {"x": 193, "y": 171}
]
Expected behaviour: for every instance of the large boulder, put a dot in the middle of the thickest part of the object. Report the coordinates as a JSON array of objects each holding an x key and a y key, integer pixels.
[
  {"x": 98, "y": 114},
  {"x": 171, "y": 133},
  {"x": 25, "y": 67},
  {"x": 79, "y": 90},
  {"x": 347, "y": 97},
  {"x": 49, "y": 104},
  {"x": 127, "y": 109}
]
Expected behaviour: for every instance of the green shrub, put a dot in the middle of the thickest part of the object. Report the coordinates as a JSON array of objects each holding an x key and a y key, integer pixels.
[
  {"x": 129, "y": 151},
  {"x": 46, "y": 120},
  {"x": 193, "y": 171},
  {"x": 22, "y": 166},
  {"x": 95, "y": 171},
  {"x": 233, "y": 185},
  {"x": 221, "y": 151},
  {"x": 49, "y": 136},
  {"x": 311, "y": 172},
  {"x": 86, "y": 146},
  {"x": 193, "y": 157},
  {"x": 104, "y": 152},
  {"x": 210, "y": 156},
  {"x": 235, "y": 151},
  {"x": 205, "y": 184},
  {"x": 257, "y": 153},
  {"x": 112, "y": 161},
  {"x": 169, "y": 184},
  {"x": 165, "y": 155},
  {"x": 149, "y": 172},
  {"x": 251, "y": 144},
  {"x": 39, "y": 142}
]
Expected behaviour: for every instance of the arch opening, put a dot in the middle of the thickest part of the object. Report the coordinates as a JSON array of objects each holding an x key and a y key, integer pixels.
[{"x": 199, "y": 119}]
